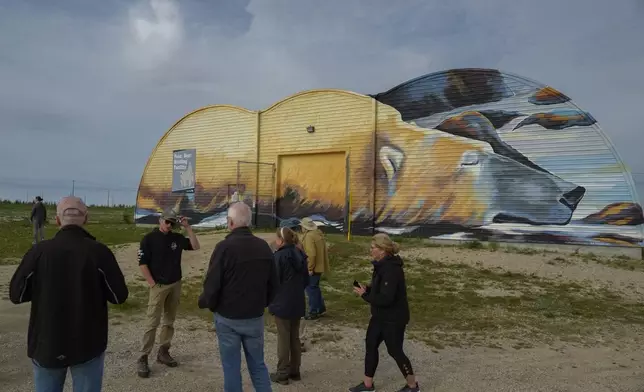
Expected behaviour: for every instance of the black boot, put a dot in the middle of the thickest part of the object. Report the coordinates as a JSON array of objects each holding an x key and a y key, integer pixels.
[
  {"x": 142, "y": 367},
  {"x": 164, "y": 357},
  {"x": 280, "y": 379},
  {"x": 295, "y": 376}
]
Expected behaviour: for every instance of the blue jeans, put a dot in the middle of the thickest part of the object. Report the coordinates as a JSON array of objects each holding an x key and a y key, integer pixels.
[
  {"x": 316, "y": 302},
  {"x": 86, "y": 377},
  {"x": 232, "y": 336}
]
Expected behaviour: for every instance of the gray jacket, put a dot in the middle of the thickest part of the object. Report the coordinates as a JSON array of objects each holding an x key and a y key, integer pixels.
[{"x": 38, "y": 213}]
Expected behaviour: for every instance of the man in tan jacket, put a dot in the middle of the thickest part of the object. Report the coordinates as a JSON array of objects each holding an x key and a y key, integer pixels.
[{"x": 315, "y": 248}]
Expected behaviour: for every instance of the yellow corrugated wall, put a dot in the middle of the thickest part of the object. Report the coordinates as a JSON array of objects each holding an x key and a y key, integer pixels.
[
  {"x": 505, "y": 162},
  {"x": 222, "y": 135},
  {"x": 343, "y": 121}
]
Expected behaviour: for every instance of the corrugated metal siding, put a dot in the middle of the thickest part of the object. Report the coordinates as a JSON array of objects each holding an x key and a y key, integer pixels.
[
  {"x": 468, "y": 154},
  {"x": 417, "y": 176},
  {"x": 222, "y": 135},
  {"x": 440, "y": 189},
  {"x": 343, "y": 121}
]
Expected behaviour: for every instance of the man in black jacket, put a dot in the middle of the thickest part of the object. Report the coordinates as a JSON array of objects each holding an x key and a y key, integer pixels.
[
  {"x": 69, "y": 279},
  {"x": 38, "y": 218},
  {"x": 240, "y": 283}
]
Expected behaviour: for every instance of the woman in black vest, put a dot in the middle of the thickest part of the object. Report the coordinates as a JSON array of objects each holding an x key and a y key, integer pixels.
[{"x": 387, "y": 295}]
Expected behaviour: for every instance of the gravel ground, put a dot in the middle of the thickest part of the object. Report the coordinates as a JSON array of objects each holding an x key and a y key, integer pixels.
[
  {"x": 336, "y": 365},
  {"x": 561, "y": 267}
]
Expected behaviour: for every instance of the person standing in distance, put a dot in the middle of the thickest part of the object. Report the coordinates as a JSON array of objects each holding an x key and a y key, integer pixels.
[
  {"x": 38, "y": 218},
  {"x": 315, "y": 248},
  {"x": 240, "y": 283},
  {"x": 68, "y": 279},
  {"x": 160, "y": 262}
]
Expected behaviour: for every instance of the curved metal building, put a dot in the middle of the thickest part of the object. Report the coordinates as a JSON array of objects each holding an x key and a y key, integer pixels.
[{"x": 460, "y": 154}]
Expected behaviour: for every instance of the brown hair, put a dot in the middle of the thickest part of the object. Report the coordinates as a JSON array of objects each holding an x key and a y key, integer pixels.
[
  {"x": 385, "y": 243},
  {"x": 287, "y": 235}
]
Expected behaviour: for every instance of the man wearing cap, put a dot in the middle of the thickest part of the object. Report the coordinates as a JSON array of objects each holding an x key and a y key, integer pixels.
[
  {"x": 38, "y": 218},
  {"x": 68, "y": 279},
  {"x": 314, "y": 246},
  {"x": 160, "y": 262}
]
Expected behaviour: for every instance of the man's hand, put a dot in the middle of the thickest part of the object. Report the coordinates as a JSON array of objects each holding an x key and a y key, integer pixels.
[
  {"x": 310, "y": 273},
  {"x": 147, "y": 275},
  {"x": 184, "y": 222}
]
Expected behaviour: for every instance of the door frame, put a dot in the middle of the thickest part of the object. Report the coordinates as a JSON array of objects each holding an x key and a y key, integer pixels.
[{"x": 256, "y": 190}]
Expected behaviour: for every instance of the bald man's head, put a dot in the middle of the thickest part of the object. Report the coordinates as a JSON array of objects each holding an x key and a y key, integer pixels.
[
  {"x": 239, "y": 215},
  {"x": 71, "y": 210}
]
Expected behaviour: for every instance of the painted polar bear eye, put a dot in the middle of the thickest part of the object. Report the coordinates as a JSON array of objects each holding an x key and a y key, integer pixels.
[
  {"x": 391, "y": 159},
  {"x": 470, "y": 158}
]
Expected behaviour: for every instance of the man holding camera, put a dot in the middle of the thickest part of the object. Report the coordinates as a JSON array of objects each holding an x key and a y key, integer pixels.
[{"x": 160, "y": 262}]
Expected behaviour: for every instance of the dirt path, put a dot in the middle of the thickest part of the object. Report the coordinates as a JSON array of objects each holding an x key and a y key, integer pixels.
[
  {"x": 337, "y": 364},
  {"x": 562, "y": 267}
]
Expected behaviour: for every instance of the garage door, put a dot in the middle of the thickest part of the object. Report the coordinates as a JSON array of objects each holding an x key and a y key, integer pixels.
[{"x": 312, "y": 184}]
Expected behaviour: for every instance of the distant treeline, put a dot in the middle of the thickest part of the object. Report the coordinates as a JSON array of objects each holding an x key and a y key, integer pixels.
[{"x": 52, "y": 204}]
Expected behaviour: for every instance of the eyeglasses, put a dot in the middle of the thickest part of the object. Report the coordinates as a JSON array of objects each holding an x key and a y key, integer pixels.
[{"x": 167, "y": 222}]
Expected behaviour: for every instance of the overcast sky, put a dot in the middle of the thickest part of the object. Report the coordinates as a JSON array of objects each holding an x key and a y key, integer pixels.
[{"x": 87, "y": 88}]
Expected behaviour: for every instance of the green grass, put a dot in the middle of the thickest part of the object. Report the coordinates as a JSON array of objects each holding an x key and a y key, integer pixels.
[
  {"x": 456, "y": 304},
  {"x": 11, "y": 211},
  {"x": 455, "y": 300},
  {"x": 106, "y": 224},
  {"x": 110, "y": 225}
]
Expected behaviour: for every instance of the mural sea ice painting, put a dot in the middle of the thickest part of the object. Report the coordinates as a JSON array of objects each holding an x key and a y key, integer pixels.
[{"x": 461, "y": 154}]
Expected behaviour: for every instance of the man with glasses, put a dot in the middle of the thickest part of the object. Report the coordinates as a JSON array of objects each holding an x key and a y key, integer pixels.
[{"x": 160, "y": 262}]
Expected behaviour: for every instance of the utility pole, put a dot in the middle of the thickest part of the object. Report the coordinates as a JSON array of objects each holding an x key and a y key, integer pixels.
[
  {"x": 73, "y": 186},
  {"x": 108, "y": 197}
]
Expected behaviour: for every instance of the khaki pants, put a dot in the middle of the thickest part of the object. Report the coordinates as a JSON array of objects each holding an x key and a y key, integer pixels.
[
  {"x": 289, "y": 351},
  {"x": 164, "y": 299},
  {"x": 302, "y": 330}
]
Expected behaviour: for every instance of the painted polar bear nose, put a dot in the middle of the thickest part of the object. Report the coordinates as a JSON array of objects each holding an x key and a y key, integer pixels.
[{"x": 573, "y": 197}]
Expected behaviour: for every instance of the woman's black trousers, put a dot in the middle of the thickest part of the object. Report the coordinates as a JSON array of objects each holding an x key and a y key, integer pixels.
[{"x": 393, "y": 335}]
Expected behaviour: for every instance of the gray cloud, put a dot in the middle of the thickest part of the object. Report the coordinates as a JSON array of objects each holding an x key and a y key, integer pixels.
[{"x": 111, "y": 79}]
